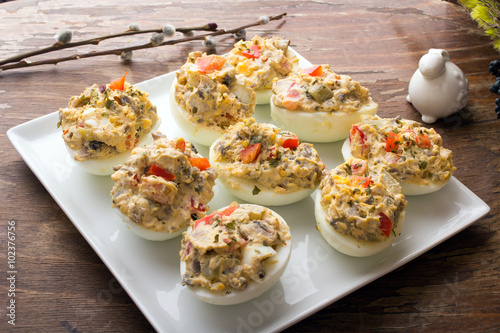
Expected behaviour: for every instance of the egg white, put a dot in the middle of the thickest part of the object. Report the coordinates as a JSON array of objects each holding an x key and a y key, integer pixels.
[
  {"x": 274, "y": 270},
  {"x": 104, "y": 166},
  {"x": 319, "y": 126},
  {"x": 266, "y": 197},
  {"x": 149, "y": 234},
  {"x": 408, "y": 188},
  {"x": 262, "y": 96},
  {"x": 347, "y": 244},
  {"x": 194, "y": 132}
]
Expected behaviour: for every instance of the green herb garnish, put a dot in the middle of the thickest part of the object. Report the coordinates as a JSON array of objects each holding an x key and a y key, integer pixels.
[
  {"x": 255, "y": 190},
  {"x": 108, "y": 103}
]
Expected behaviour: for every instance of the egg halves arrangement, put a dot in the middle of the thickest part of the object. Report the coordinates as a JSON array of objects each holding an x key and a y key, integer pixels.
[{"x": 162, "y": 187}]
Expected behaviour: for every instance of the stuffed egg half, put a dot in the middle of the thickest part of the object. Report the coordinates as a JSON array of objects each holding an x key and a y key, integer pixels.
[
  {"x": 262, "y": 60},
  {"x": 102, "y": 125},
  {"x": 359, "y": 211},
  {"x": 162, "y": 187},
  {"x": 208, "y": 96},
  {"x": 319, "y": 105},
  {"x": 261, "y": 164},
  {"x": 414, "y": 155},
  {"x": 234, "y": 254}
]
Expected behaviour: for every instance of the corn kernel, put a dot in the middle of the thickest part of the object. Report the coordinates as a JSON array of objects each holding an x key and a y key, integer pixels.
[
  {"x": 219, "y": 286},
  {"x": 282, "y": 173}
]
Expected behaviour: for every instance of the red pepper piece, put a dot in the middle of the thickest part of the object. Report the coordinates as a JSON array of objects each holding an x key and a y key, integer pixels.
[
  {"x": 131, "y": 141},
  {"x": 253, "y": 52},
  {"x": 209, "y": 218},
  {"x": 289, "y": 142},
  {"x": 363, "y": 181},
  {"x": 210, "y": 63},
  {"x": 293, "y": 97},
  {"x": 201, "y": 163},
  {"x": 250, "y": 153},
  {"x": 118, "y": 83},
  {"x": 423, "y": 141},
  {"x": 313, "y": 70},
  {"x": 155, "y": 170},
  {"x": 180, "y": 144},
  {"x": 392, "y": 143},
  {"x": 229, "y": 210},
  {"x": 206, "y": 220},
  {"x": 385, "y": 224},
  {"x": 355, "y": 129},
  {"x": 359, "y": 168}
]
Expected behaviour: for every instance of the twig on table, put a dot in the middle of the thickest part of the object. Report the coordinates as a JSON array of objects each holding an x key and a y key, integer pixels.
[
  {"x": 94, "y": 41},
  {"x": 21, "y": 61}
]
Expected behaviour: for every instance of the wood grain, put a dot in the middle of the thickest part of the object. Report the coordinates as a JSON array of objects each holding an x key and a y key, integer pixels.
[{"x": 64, "y": 286}]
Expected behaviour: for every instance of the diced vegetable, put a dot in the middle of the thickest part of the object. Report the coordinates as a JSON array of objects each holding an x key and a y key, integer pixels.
[
  {"x": 250, "y": 153},
  {"x": 356, "y": 134},
  {"x": 253, "y": 52},
  {"x": 292, "y": 98},
  {"x": 359, "y": 168},
  {"x": 290, "y": 142},
  {"x": 131, "y": 141},
  {"x": 201, "y": 163},
  {"x": 118, "y": 83},
  {"x": 209, "y": 64},
  {"x": 313, "y": 70},
  {"x": 180, "y": 144},
  {"x": 206, "y": 220},
  {"x": 155, "y": 170},
  {"x": 393, "y": 141},
  {"x": 363, "y": 181},
  {"x": 319, "y": 92},
  {"x": 209, "y": 218},
  {"x": 355, "y": 130},
  {"x": 229, "y": 210},
  {"x": 385, "y": 224},
  {"x": 423, "y": 141}
]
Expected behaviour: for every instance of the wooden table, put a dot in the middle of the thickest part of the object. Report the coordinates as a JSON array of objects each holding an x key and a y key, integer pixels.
[{"x": 62, "y": 285}]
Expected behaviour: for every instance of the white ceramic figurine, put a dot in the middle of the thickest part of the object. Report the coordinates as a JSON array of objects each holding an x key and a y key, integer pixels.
[{"x": 438, "y": 88}]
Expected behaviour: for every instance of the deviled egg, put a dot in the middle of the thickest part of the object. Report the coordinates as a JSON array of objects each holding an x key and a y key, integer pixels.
[
  {"x": 162, "y": 187},
  {"x": 414, "y": 155},
  {"x": 359, "y": 211},
  {"x": 235, "y": 254},
  {"x": 319, "y": 105},
  {"x": 208, "y": 96},
  {"x": 262, "y": 164},
  {"x": 262, "y": 60},
  {"x": 102, "y": 125}
]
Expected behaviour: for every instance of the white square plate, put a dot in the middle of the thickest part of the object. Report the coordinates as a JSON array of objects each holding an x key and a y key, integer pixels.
[{"x": 149, "y": 271}]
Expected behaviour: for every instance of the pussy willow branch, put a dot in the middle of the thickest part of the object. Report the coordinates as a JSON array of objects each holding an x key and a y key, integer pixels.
[
  {"x": 94, "y": 41},
  {"x": 26, "y": 63}
]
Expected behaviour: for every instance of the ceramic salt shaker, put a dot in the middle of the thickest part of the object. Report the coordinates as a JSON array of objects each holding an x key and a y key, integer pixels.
[{"x": 438, "y": 88}]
